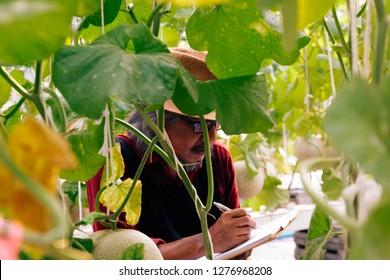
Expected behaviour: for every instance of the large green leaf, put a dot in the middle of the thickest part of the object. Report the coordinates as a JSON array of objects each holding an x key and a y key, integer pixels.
[
  {"x": 91, "y": 74},
  {"x": 33, "y": 29},
  {"x": 374, "y": 244},
  {"x": 238, "y": 38},
  {"x": 319, "y": 233},
  {"x": 241, "y": 103},
  {"x": 110, "y": 11},
  {"x": 86, "y": 146},
  {"x": 310, "y": 11},
  {"x": 358, "y": 122},
  {"x": 87, "y": 7}
]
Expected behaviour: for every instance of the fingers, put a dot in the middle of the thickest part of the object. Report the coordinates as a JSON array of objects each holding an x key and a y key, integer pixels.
[
  {"x": 232, "y": 228},
  {"x": 239, "y": 218}
]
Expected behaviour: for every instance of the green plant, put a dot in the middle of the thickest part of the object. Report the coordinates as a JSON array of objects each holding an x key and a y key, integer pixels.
[{"x": 51, "y": 73}]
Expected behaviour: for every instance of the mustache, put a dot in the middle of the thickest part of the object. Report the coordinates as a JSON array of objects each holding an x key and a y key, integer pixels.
[{"x": 197, "y": 149}]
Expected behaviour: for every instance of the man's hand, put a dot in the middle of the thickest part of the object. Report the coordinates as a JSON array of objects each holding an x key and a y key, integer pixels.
[{"x": 231, "y": 229}]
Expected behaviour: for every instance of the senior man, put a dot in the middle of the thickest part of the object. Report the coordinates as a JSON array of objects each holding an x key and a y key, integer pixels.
[{"x": 168, "y": 214}]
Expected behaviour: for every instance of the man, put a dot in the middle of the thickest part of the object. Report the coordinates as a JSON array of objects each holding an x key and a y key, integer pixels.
[{"x": 168, "y": 214}]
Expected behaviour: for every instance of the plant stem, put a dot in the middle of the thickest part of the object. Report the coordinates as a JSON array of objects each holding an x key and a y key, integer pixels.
[
  {"x": 14, "y": 109},
  {"x": 153, "y": 14},
  {"x": 321, "y": 202},
  {"x": 167, "y": 147},
  {"x": 22, "y": 91},
  {"x": 341, "y": 35},
  {"x": 381, "y": 41},
  {"x": 353, "y": 37},
  {"x": 340, "y": 59},
  {"x": 131, "y": 13},
  {"x": 60, "y": 107},
  {"x": 137, "y": 175},
  {"x": 144, "y": 138},
  {"x": 37, "y": 91},
  {"x": 210, "y": 179}
]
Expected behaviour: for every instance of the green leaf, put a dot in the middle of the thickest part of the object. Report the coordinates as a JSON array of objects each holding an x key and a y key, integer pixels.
[
  {"x": 85, "y": 244},
  {"x": 319, "y": 233},
  {"x": 91, "y": 74},
  {"x": 133, "y": 252},
  {"x": 241, "y": 103},
  {"x": 367, "y": 140},
  {"x": 311, "y": 11},
  {"x": 111, "y": 10},
  {"x": 117, "y": 196},
  {"x": 87, "y": 7},
  {"x": 332, "y": 185},
  {"x": 86, "y": 146},
  {"x": 71, "y": 188},
  {"x": 5, "y": 91},
  {"x": 238, "y": 38},
  {"x": 374, "y": 244},
  {"x": 270, "y": 195},
  {"x": 34, "y": 29},
  {"x": 91, "y": 217}
]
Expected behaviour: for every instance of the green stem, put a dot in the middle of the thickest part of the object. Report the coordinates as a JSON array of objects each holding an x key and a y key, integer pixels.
[
  {"x": 153, "y": 14},
  {"x": 61, "y": 228},
  {"x": 132, "y": 15},
  {"x": 61, "y": 109},
  {"x": 206, "y": 236},
  {"x": 381, "y": 41},
  {"x": 210, "y": 179},
  {"x": 161, "y": 119},
  {"x": 22, "y": 91},
  {"x": 137, "y": 176},
  {"x": 14, "y": 110},
  {"x": 340, "y": 59},
  {"x": 322, "y": 204},
  {"x": 341, "y": 35},
  {"x": 102, "y": 219},
  {"x": 37, "y": 91},
  {"x": 111, "y": 109},
  {"x": 156, "y": 24},
  {"x": 144, "y": 138}
]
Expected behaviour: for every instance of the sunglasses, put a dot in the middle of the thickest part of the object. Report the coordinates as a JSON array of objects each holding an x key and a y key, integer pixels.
[{"x": 197, "y": 126}]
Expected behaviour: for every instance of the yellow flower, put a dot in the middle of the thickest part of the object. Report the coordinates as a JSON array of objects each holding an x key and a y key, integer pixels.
[{"x": 40, "y": 153}]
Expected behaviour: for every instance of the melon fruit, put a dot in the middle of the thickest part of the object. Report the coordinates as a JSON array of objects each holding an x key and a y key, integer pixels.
[
  {"x": 309, "y": 148},
  {"x": 248, "y": 187},
  {"x": 109, "y": 244},
  {"x": 306, "y": 148}
]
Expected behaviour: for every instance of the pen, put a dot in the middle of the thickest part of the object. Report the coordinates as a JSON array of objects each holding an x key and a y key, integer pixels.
[{"x": 221, "y": 207}]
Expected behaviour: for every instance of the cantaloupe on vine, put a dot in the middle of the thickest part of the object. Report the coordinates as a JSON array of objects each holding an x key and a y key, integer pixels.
[{"x": 112, "y": 244}]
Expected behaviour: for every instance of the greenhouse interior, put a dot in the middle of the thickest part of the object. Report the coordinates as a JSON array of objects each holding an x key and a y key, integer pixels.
[{"x": 194, "y": 130}]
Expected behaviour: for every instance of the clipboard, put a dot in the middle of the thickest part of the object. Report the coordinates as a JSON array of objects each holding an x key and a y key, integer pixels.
[{"x": 259, "y": 236}]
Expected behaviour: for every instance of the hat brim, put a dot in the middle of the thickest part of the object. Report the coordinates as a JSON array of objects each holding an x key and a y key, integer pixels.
[{"x": 171, "y": 107}]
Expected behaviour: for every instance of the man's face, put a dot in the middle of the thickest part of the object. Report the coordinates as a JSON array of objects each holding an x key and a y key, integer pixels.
[{"x": 188, "y": 146}]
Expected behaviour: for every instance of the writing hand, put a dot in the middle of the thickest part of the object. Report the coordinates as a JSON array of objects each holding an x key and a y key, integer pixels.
[{"x": 232, "y": 228}]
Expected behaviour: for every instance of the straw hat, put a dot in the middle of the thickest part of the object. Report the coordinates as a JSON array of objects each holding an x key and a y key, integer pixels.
[{"x": 194, "y": 62}]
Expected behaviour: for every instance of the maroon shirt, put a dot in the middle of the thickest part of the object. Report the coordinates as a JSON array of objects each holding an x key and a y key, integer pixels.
[{"x": 167, "y": 210}]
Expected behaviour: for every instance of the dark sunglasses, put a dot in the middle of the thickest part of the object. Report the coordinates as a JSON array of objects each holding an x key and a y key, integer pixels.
[{"x": 197, "y": 126}]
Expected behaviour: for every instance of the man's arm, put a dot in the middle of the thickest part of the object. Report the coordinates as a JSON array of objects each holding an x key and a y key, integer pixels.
[{"x": 230, "y": 230}]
